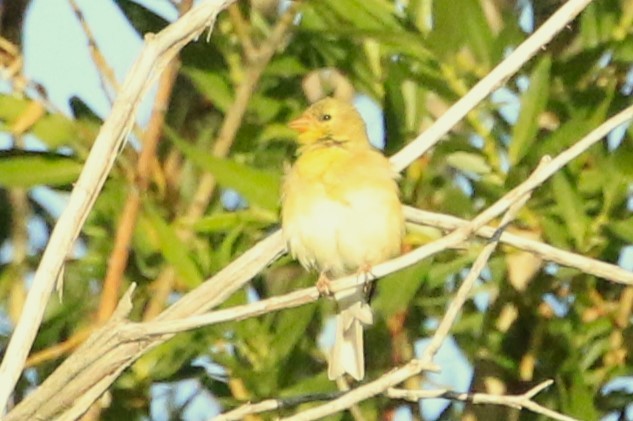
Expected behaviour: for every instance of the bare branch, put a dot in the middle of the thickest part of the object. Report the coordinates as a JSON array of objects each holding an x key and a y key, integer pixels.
[
  {"x": 271, "y": 405},
  {"x": 523, "y": 401},
  {"x": 416, "y": 366},
  {"x": 107, "y": 78},
  {"x": 547, "y": 252},
  {"x": 90, "y": 370},
  {"x": 231, "y": 123},
  {"x": 485, "y": 86},
  {"x": 547, "y": 168},
  {"x": 158, "y": 51}
]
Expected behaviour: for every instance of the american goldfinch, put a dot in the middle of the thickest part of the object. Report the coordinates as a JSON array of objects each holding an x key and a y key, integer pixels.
[{"x": 341, "y": 214}]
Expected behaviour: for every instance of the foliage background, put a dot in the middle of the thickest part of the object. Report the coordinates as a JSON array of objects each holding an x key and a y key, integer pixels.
[{"x": 528, "y": 320}]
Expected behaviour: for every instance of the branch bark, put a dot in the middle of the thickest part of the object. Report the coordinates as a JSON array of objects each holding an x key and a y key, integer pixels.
[
  {"x": 158, "y": 51},
  {"x": 95, "y": 365}
]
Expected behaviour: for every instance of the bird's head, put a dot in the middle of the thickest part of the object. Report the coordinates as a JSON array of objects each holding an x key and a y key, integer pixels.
[{"x": 330, "y": 120}]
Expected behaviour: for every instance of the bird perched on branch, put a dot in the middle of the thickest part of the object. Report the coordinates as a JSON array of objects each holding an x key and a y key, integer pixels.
[{"x": 341, "y": 214}]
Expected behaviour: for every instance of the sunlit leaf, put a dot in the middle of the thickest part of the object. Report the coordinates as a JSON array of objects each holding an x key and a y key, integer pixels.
[
  {"x": 213, "y": 86},
  {"x": 570, "y": 207},
  {"x": 258, "y": 187},
  {"x": 468, "y": 162},
  {"x": 174, "y": 250},
  {"x": 11, "y": 108},
  {"x": 27, "y": 169},
  {"x": 396, "y": 291},
  {"x": 290, "y": 328},
  {"x": 533, "y": 102},
  {"x": 622, "y": 229},
  {"x": 223, "y": 221},
  {"x": 56, "y": 130},
  {"x": 143, "y": 20}
]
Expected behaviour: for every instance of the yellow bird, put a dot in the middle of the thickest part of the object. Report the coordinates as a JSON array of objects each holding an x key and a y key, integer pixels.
[{"x": 341, "y": 214}]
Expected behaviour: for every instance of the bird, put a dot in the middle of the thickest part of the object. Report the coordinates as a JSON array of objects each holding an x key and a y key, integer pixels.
[{"x": 341, "y": 214}]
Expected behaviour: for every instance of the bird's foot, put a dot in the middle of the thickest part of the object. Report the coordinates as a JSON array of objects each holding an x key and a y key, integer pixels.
[
  {"x": 323, "y": 285},
  {"x": 369, "y": 287}
]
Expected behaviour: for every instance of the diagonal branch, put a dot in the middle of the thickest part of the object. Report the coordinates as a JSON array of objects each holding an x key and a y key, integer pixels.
[
  {"x": 513, "y": 204},
  {"x": 92, "y": 368},
  {"x": 107, "y": 78},
  {"x": 159, "y": 50},
  {"x": 495, "y": 78},
  {"x": 545, "y": 251},
  {"x": 231, "y": 123},
  {"x": 92, "y": 373},
  {"x": 547, "y": 168},
  {"x": 125, "y": 229},
  {"x": 522, "y": 401}
]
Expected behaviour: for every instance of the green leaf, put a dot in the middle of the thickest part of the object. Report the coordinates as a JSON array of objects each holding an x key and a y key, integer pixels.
[
  {"x": 55, "y": 130},
  {"x": 276, "y": 131},
  {"x": 570, "y": 208},
  {"x": 172, "y": 248},
  {"x": 27, "y": 169},
  {"x": 224, "y": 221},
  {"x": 260, "y": 188},
  {"x": 394, "y": 108},
  {"x": 468, "y": 162},
  {"x": 440, "y": 271},
  {"x": 622, "y": 160},
  {"x": 142, "y": 19},
  {"x": 82, "y": 111},
  {"x": 286, "y": 66},
  {"x": 290, "y": 328},
  {"x": 622, "y": 229},
  {"x": 11, "y": 108},
  {"x": 213, "y": 86},
  {"x": 478, "y": 32},
  {"x": 396, "y": 291},
  {"x": 457, "y": 24},
  {"x": 52, "y": 129},
  {"x": 565, "y": 135},
  {"x": 533, "y": 102},
  {"x": 265, "y": 108},
  {"x": 554, "y": 232},
  {"x": 598, "y": 22},
  {"x": 362, "y": 14},
  {"x": 581, "y": 398}
]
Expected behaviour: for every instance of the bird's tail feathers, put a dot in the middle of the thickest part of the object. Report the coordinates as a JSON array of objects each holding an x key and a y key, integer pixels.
[{"x": 348, "y": 353}]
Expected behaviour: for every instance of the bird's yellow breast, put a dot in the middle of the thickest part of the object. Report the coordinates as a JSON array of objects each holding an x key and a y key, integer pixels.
[{"x": 341, "y": 210}]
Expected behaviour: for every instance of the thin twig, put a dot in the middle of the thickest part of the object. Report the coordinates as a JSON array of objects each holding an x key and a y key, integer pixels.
[
  {"x": 59, "y": 349},
  {"x": 158, "y": 51},
  {"x": 152, "y": 135},
  {"x": 225, "y": 139},
  {"x": 126, "y": 348},
  {"x": 415, "y": 366},
  {"x": 235, "y": 114},
  {"x": 84, "y": 194},
  {"x": 91, "y": 369},
  {"x": 242, "y": 30},
  {"x": 107, "y": 77},
  {"x": 522, "y": 401},
  {"x": 272, "y": 405},
  {"x": 20, "y": 210},
  {"x": 496, "y": 77},
  {"x": 547, "y": 252}
]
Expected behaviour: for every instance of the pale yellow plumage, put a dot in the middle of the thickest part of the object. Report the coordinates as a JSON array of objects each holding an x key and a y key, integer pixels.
[{"x": 341, "y": 214}]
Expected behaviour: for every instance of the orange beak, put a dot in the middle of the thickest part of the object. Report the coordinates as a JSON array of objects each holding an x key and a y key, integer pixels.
[{"x": 301, "y": 124}]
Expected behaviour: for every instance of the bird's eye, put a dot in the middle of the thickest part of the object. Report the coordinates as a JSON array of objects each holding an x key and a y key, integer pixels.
[{"x": 326, "y": 117}]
